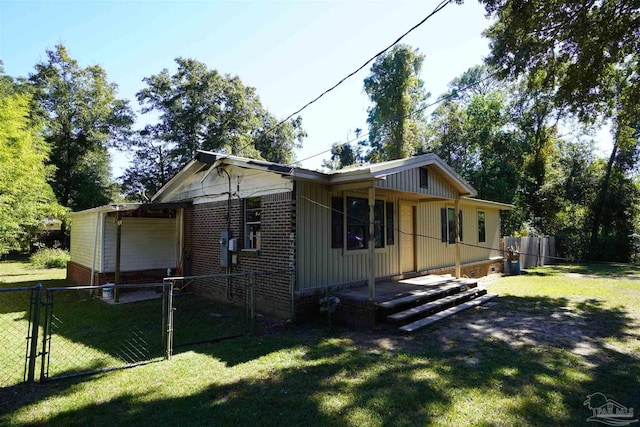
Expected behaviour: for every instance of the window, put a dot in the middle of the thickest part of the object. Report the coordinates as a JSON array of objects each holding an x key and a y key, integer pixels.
[
  {"x": 337, "y": 222},
  {"x": 448, "y": 223},
  {"x": 390, "y": 224},
  {"x": 252, "y": 214},
  {"x": 357, "y": 223},
  {"x": 424, "y": 178},
  {"x": 482, "y": 236}
]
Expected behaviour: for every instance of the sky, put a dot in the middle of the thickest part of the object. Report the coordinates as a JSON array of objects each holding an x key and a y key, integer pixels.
[{"x": 290, "y": 51}]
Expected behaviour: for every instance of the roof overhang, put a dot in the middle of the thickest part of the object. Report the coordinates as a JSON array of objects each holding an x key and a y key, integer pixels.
[
  {"x": 206, "y": 160},
  {"x": 128, "y": 207},
  {"x": 485, "y": 203},
  {"x": 378, "y": 171}
]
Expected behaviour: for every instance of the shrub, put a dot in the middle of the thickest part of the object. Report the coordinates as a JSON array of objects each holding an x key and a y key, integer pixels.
[{"x": 50, "y": 258}]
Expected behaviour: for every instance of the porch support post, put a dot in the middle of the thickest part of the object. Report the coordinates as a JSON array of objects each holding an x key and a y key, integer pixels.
[
  {"x": 372, "y": 243},
  {"x": 118, "y": 245},
  {"x": 457, "y": 227}
]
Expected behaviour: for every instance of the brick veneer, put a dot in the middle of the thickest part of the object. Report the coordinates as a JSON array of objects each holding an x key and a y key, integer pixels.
[
  {"x": 203, "y": 226},
  {"x": 81, "y": 275}
]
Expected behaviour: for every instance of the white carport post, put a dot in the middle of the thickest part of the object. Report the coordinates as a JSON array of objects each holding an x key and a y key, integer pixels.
[
  {"x": 372, "y": 243},
  {"x": 95, "y": 248}
]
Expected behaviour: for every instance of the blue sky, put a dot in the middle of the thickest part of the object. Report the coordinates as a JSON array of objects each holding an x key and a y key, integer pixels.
[{"x": 290, "y": 51}]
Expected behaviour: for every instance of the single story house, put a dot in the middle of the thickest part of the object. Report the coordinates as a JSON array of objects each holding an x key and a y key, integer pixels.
[{"x": 352, "y": 227}]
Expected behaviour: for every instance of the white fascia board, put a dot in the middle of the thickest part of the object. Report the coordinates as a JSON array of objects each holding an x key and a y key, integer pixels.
[
  {"x": 178, "y": 179},
  {"x": 122, "y": 207},
  {"x": 486, "y": 203}
]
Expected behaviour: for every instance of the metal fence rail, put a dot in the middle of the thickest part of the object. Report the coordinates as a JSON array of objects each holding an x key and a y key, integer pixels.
[{"x": 19, "y": 307}]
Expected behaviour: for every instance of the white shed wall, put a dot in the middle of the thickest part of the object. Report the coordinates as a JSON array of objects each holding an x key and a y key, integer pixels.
[
  {"x": 147, "y": 243},
  {"x": 83, "y": 235}
]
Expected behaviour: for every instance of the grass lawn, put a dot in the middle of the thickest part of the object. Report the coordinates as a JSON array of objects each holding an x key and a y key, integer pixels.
[{"x": 529, "y": 357}]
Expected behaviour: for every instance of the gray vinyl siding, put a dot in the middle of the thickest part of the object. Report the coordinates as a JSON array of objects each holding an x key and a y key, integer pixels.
[
  {"x": 147, "y": 243},
  {"x": 83, "y": 234},
  {"x": 409, "y": 181}
]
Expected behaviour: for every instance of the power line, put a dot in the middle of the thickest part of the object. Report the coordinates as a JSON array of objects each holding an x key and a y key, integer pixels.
[
  {"x": 437, "y": 101},
  {"x": 437, "y": 9},
  {"x": 424, "y": 236}
]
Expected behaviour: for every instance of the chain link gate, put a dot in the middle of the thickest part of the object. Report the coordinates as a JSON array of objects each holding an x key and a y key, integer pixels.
[
  {"x": 19, "y": 328},
  {"x": 84, "y": 334}
]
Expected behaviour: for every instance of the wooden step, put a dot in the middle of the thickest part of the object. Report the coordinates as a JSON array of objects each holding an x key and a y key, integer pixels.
[
  {"x": 410, "y": 327},
  {"x": 435, "y": 305},
  {"x": 445, "y": 288}
]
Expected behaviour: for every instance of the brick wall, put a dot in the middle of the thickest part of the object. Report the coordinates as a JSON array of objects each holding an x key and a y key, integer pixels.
[
  {"x": 81, "y": 276},
  {"x": 204, "y": 224}
]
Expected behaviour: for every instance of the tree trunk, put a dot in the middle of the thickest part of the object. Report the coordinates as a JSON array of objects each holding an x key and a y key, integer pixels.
[{"x": 599, "y": 206}]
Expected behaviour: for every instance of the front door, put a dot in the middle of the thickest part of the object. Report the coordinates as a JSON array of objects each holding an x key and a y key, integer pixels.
[{"x": 407, "y": 238}]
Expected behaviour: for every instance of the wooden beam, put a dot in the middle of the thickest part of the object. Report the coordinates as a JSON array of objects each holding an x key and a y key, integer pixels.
[
  {"x": 372, "y": 243},
  {"x": 118, "y": 246},
  {"x": 457, "y": 227}
]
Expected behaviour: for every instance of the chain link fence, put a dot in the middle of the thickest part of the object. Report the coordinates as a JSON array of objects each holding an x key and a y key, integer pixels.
[
  {"x": 86, "y": 331},
  {"x": 18, "y": 307},
  {"x": 63, "y": 332}
]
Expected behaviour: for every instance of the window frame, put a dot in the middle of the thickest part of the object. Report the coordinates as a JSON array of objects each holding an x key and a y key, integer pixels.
[
  {"x": 482, "y": 226},
  {"x": 383, "y": 234},
  {"x": 448, "y": 224},
  {"x": 252, "y": 244}
]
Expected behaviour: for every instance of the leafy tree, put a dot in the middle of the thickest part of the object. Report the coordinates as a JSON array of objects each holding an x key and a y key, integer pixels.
[
  {"x": 151, "y": 168},
  {"x": 589, "y": 53},
  {"x": 477, "y": 80},
  {"x": 26, "y": 199},
  {"x": 398, "y": 97},
  {"x": 203, "y": 109},
  {"x": 346, "y": 155},
  {"x": 82, "y": 118}
]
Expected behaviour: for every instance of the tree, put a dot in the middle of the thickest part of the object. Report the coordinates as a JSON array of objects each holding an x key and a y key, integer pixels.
[
  {"x": 589, "y": 53},
  {"x": 398, "y": 97},
  {"x": 151, "y": 168},
  {"x": 201, "y": 109},
  {"x": 580, "y": 45},
  {"x": 82, "y": 118},
  {"x": 26, "y": 199}
]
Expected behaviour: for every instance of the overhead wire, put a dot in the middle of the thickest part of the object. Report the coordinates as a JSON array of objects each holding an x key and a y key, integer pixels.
[
  {"x": 409, "y": 115},
  {"x": 440, "y": 239},
  {"x": 437, "y": 9}
]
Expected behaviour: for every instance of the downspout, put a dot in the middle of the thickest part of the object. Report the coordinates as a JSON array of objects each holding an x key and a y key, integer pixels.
[{"x": 220, "y": 170}]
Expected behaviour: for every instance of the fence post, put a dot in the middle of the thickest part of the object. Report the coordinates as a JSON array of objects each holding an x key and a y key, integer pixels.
[
  {"x": 168, "y": 323},
  {"x": 46, "y": 336},
  {"x": 36, "y": 300}
]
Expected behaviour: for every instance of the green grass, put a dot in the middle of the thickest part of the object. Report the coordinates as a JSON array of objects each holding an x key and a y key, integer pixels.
[{"x": 530, "y": 358}]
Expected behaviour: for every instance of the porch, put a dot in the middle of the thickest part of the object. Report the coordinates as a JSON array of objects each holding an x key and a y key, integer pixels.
[{"x": 409, "y": 303}]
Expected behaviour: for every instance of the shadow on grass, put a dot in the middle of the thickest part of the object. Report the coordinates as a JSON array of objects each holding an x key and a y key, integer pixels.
[{"x": 521, "y": 361}]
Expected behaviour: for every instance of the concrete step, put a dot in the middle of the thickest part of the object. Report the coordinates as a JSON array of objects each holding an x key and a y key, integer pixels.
[
  {"x": 436, "y": 305},
  {"x": 433, "y": 292},
  {"x": 421, "y": 323}
]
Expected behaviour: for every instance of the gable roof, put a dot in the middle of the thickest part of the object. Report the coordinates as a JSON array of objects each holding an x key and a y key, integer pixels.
[{"x": 207, "y": 160}]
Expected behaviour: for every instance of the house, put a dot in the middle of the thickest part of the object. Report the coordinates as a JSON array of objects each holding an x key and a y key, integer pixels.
[{"x": 283, "y": 218}]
